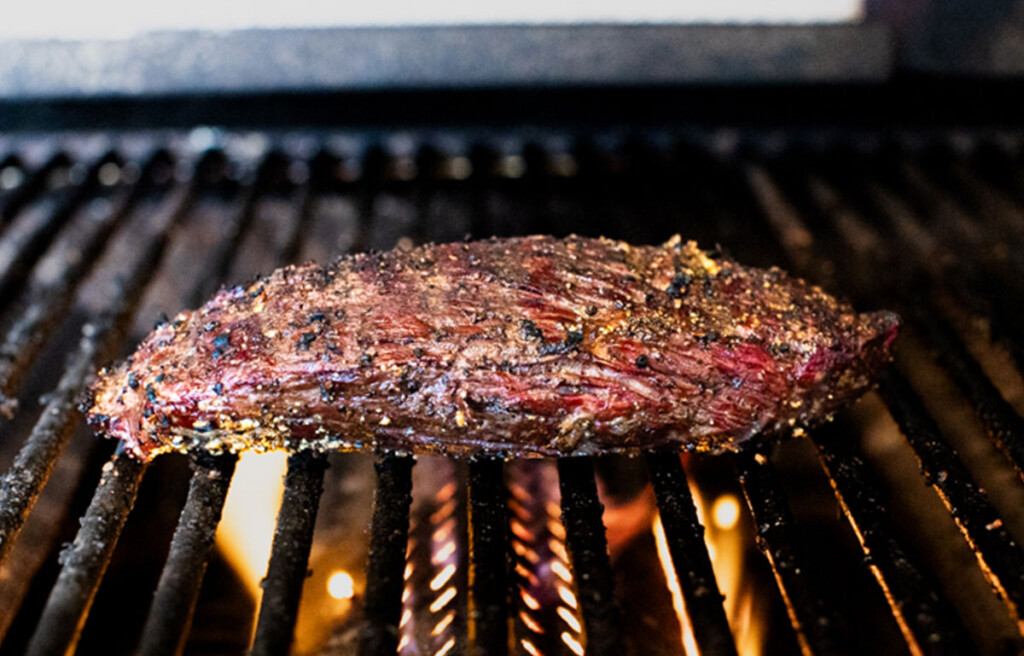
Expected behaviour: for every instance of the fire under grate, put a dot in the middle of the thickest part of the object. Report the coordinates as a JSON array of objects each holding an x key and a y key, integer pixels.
[{"x": 89, "y": 228}]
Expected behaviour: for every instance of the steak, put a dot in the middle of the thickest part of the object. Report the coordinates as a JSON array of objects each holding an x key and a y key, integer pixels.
[{"x": 526, "y": 346}]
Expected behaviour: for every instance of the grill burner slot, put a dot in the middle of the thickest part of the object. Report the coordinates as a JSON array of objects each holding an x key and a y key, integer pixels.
[{"x": 840, "y": 220}]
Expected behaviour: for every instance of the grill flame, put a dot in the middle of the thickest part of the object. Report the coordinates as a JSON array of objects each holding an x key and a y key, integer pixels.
[
  {"x": 246, "y": 529},
  {"x": 726, "y": 546}
]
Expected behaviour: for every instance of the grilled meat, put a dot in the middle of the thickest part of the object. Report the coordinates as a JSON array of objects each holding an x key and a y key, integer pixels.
[{"x": 523, "y": 346}]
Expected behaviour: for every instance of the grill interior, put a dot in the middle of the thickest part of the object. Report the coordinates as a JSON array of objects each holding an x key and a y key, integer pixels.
[{"x": 101, "y": 234}]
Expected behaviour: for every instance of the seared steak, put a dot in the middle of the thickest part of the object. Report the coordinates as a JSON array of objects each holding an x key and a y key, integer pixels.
[{"x": 523, "y": 346}]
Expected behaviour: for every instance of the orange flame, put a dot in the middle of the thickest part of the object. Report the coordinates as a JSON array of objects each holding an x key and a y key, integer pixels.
[
  {"x": 726, "y": 546},
  {"x": 246, "y": 529}
]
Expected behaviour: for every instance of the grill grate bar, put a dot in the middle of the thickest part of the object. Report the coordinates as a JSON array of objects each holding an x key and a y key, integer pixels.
[
  {"x": 224, "y": 252},
  {"x": 928, "y": 624},
  {"x": 84, "y": 567},
  {"x": 819, "y": 628},
  {"x": 1003, "y": 425},
  {"x": 488, "y": 574},
  {"x": 85, "y": 562},
  {"x": 1001, "y": 559},
  {"x": 948, "y": 271},
  {"x": 170, "y": 614},
  {"x": 588, "y": 553},
  {"x": 34, "y": 462},
  {"x": 27, "y": 237},
  {"x": 182, "y": 576},
  {"x": 991, "y": 201},
  {"x": 289, "y": 557},
  {"x": 994, "y": 259},
  {"x": 37, "y": 181},
  {"x": 690, "y": 557},
  {"x": 389, "y": 537},
  {"x": 47, "y": 298}
]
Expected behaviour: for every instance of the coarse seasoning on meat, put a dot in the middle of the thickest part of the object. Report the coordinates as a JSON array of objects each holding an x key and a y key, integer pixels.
[{"x": 527, "y": 346}]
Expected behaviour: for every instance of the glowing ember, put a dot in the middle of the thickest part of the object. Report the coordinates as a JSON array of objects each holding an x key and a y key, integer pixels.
[
  {"x": 530, "y": 622},
  {"x": 340, "y": 585},
  {"x": 544, "y": 578},
  {"x": 443, "y": 554},
  {"x": 432, "y": 557},
  {"x": 561, "y": 571}
]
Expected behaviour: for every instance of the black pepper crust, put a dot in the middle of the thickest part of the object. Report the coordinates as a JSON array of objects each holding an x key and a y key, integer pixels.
[{"x": 527, "y": 346}]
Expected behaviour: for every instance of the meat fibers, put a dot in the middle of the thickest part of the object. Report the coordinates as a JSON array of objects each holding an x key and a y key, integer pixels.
[{"x": 525, "y": 346}]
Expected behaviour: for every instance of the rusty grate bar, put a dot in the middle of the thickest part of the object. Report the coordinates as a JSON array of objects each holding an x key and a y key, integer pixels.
[
  {"x": 170, "y": 614},
  {"x": 85, "y": 562},
  {"x": 488, "y": 574},
  {"x": 685, "y": 537},
  {"x": 927, "y": 623},
  {"x": 819, "y": 629},
  {"x": 289, "y": 557},
  {"x": 1000, "y": 557},
  {"x": 588, "y": 552},
  {"x": 389, "y": 536}
]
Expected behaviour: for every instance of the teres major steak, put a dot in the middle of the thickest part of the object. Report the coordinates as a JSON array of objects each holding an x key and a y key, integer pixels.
[{"x": 523, "y": 346}]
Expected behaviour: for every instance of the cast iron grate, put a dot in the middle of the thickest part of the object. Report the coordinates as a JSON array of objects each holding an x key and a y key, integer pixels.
[{"x": 856, "y": 221}]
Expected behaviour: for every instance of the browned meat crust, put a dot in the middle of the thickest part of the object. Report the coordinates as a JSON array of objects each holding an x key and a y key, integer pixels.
[{"x": 524, "y": 346}]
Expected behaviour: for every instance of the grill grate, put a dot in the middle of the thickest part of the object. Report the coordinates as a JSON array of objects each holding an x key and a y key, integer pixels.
[{"x": 836, "y": 219}]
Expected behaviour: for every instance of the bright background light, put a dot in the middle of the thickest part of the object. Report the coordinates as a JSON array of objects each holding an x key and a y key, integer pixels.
[{"x": 67, "y": 19}]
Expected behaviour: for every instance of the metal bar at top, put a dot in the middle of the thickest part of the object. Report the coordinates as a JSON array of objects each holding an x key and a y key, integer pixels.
[
  {"x": 48, "y": 294},
  {"x": 35, "y": 183},
  {"x": 441, "y": 57},
  {"x": 31, "y": 232},
  {"x": 1002, "y": 424}
]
